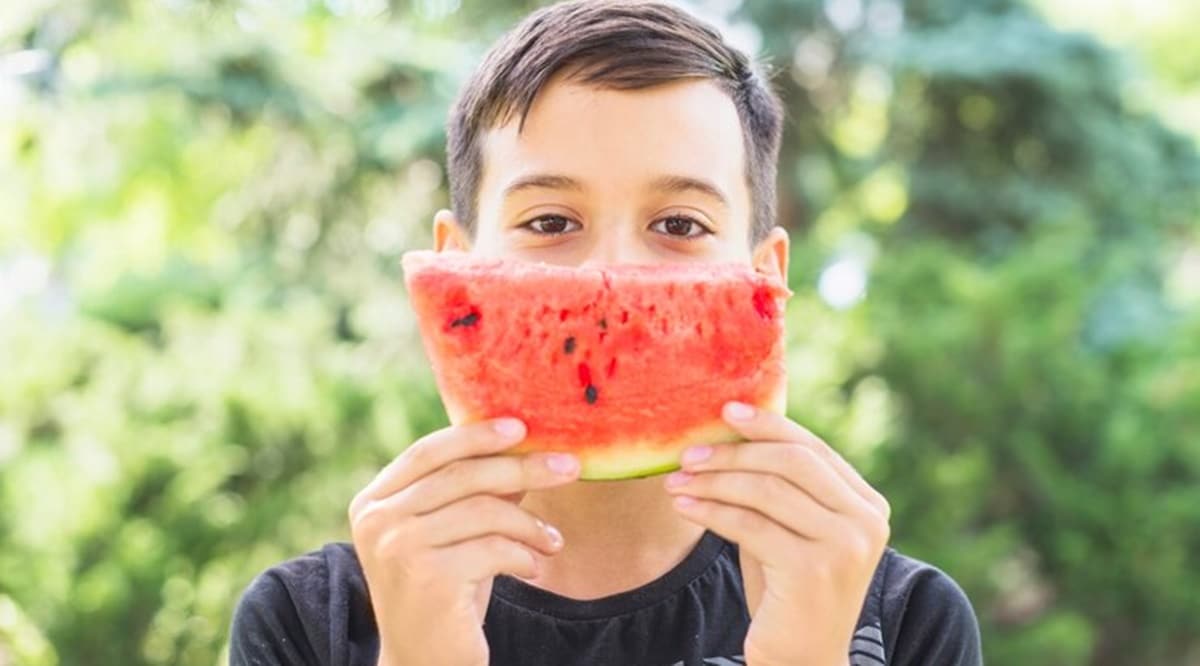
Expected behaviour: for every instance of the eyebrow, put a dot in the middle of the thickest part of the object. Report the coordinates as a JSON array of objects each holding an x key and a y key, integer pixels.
[
  {"x": 544, "y": 181},
  {"x": 671, "y": 183}
]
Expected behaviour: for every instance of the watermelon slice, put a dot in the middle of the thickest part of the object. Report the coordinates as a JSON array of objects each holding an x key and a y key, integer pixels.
[{"x": 624, "y": 366}]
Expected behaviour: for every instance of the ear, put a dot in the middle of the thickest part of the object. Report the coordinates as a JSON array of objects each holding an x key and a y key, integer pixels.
[
  {"x": 448, "y": 234},
  {"x": 771, "y": 254}
]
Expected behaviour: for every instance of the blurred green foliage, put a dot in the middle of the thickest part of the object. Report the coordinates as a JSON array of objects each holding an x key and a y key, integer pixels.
[{"x": 206, "y": 351}]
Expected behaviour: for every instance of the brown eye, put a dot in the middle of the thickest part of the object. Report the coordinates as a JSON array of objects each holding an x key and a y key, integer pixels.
[
  {"x": 551, "y": 225},
  {"x": 680, "y": 226}
]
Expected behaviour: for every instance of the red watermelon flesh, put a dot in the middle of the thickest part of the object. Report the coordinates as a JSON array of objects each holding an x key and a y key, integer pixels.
[{"x": 624, "y": 365}]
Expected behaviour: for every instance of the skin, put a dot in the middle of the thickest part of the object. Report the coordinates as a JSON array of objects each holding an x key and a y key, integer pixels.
[{"x": 451, "y": 512}]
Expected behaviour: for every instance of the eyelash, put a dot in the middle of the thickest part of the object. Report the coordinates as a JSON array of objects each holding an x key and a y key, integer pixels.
[{"x": 704, "y": 230}]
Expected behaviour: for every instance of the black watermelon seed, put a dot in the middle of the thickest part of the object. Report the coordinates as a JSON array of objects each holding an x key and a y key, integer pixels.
[
  {"x": 590, "y": 394},
  {"x": 466, "y": 320},
  {"x": 603, "y": 323},
  {"x": 569, "y": 345}
]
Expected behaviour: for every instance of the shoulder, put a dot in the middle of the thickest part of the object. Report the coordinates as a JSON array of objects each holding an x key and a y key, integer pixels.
[
  {"x": 286, "y": 612},
  {"x": 924, "y": 615}
]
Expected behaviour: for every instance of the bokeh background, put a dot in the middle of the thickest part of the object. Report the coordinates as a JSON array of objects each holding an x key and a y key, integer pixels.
[{"x": 205, "y": 348}]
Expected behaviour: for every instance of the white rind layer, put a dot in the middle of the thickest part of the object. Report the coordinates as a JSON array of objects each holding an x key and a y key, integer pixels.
[{"x": 635, "y": 458}]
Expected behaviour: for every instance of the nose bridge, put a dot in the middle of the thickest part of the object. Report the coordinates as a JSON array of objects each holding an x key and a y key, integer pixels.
[{"x": 616, "y": 239}]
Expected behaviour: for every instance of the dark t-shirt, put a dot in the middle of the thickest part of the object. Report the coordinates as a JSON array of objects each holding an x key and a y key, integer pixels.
[{"x": 314, "y": 609}]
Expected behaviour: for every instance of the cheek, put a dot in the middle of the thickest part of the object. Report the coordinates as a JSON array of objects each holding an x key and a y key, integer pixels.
[
  {"x": 484, "y": 246},
  {"x": 730, "y": 246},
  {"x": 489, "y": 238}
]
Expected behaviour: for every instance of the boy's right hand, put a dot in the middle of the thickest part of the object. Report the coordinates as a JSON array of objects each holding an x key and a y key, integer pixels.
[{"x": 437, "y": 525}]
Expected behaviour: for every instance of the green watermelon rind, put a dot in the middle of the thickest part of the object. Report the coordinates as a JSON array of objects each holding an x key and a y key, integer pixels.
[{"x": 635, "y": 461}]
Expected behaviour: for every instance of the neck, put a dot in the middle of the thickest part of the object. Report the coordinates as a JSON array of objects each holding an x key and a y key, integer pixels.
[{"x": 617, "y": 535}]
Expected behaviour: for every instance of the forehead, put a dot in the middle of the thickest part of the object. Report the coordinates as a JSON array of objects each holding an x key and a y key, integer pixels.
[{"x": 617, "y": 139}]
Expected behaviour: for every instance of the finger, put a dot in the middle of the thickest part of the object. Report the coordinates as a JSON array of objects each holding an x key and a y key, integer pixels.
[
  {"x": 494, "y": 475},
  {"x": 481, "y": 515},
  {"x": 764, "y": 425},
  {"x": 437, "y": 449},
  {"x": 481, "y": 559},
  {"x": 797, "y": 463},
  {"x": 765, "y": 539},
  {"x": 769, "y": 494}
]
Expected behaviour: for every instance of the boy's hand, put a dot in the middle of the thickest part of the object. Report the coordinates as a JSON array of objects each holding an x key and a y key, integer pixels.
[
  {"x": 810, "y": 531},
  {"x": 437, "y": 525}
]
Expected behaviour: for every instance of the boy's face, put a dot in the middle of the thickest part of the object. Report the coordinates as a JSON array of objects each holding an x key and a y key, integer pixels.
[{"x": 606, "y": 176}]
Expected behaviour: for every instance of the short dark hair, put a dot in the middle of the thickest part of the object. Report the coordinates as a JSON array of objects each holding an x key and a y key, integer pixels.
[{"x": 619, "y": 45}]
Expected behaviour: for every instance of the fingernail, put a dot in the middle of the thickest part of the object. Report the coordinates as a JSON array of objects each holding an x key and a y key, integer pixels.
[
  {"x": 555, "y": 536},
  {"x": 697, "y": 454},
  {"x": 676, "y": 479},
  {"x": 562, "y": 463},
  {"x": 509, "y": 428},
  {"x": 738, "y": 411}
]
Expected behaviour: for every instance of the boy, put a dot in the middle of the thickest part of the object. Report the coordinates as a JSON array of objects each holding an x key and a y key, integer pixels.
[{"x": 603, "y": 132}]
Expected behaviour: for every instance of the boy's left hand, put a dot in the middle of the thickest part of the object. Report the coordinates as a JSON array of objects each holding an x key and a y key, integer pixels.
[{"x": 810, "y": 533}]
